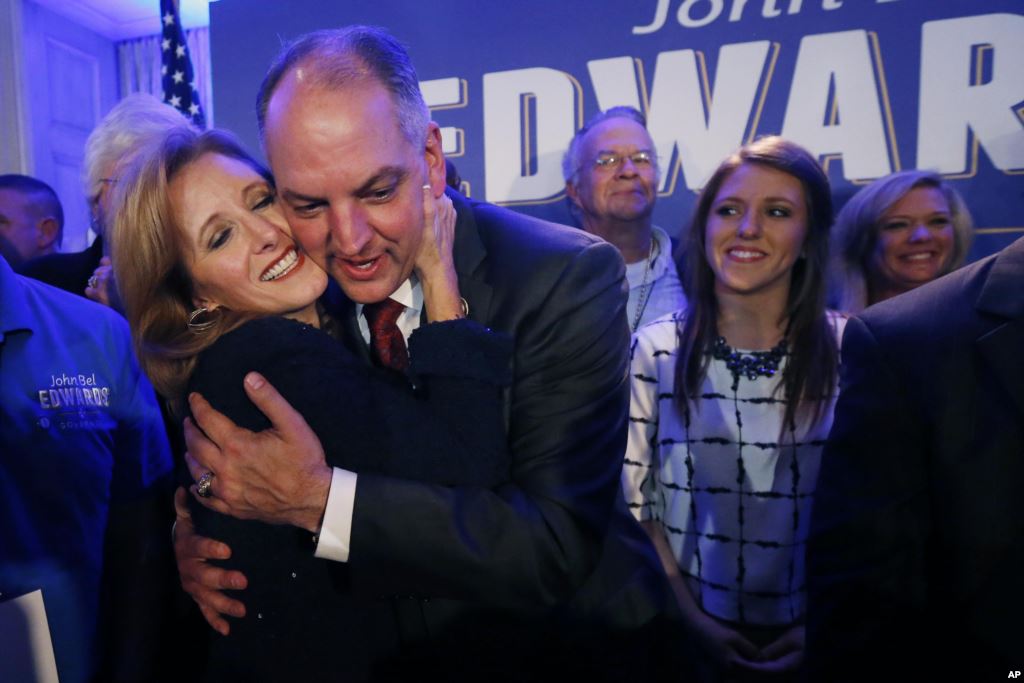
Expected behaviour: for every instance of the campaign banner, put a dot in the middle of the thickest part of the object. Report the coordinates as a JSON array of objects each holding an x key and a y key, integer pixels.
[{"x": 871, "y": 86}]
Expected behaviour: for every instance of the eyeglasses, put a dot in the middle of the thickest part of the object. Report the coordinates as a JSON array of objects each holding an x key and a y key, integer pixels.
[
  {"x": 104, "y": 182},
  {"x": 609, "y": 162}
]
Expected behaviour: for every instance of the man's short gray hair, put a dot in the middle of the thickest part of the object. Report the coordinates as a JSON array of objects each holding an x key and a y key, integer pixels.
[
  {"x": 336, "y": 58},
  {"x": 571, "y": 159},
  {"x": 130, "y": 125}
]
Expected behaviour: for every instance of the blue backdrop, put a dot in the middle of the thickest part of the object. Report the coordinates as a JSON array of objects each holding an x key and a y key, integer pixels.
[{"x": 872, "y": 86}]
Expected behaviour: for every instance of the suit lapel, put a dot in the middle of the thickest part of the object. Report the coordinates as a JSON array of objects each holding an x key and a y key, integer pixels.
[
  {"x": 343, "y": 310},
  {"x": 470, "y": 257},
  {"x": 1003, "y": 295},
  {"x": 474, "y": 284}
]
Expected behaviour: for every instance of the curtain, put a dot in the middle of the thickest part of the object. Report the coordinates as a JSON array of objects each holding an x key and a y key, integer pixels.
[{"x": 138, "y": 64}]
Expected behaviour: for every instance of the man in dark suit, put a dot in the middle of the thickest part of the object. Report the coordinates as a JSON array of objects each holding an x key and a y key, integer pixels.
[
  {"x": 917, "y": 546},
  {"x": 473, "y": 571},
  {"x": 69, "y": 271}
]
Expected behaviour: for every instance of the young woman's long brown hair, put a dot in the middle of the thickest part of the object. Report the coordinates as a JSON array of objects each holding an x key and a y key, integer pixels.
[{"x": 810, "y": 372}]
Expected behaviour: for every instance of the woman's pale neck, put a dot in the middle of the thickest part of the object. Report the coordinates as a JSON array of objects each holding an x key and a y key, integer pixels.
[{"x": 753, "y": 321}]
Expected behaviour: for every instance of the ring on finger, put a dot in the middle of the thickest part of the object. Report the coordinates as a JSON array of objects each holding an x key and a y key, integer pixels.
[
  {"x": 204, "y": 485},
  {"x": 93, "y": 281}
]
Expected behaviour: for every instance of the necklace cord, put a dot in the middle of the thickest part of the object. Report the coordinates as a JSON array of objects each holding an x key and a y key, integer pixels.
[{"x": 645, "y": 287}]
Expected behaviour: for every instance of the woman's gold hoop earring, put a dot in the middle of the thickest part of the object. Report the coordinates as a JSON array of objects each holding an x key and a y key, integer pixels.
[{"x": 194, "y": 325}]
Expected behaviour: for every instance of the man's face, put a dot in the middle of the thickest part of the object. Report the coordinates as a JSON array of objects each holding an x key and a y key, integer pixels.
[
  {"x": 21, "y": 238},
  {"x": 102, "y": 208},
  {"x": 350, "y": 182},
  {"x": 623, "y": 191}
]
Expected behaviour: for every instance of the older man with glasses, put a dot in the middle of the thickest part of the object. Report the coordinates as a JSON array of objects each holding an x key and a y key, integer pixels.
[
  {"x": 123, "y": 131},
  {"x": 611, "y": 178}
]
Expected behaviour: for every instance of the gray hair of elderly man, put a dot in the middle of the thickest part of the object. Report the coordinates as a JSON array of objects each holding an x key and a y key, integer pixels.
[
  {"x": 133, "y": 122},
  {"x": 333, "y": 59},
  {"x": 571, "y": 158}
]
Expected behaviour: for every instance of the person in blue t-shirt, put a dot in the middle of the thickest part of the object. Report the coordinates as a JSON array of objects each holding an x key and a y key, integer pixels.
[{"x": 84, "y": 474}]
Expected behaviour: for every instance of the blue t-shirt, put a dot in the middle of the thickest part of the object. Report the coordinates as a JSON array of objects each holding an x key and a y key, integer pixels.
[{"x": 80, "y": 431}]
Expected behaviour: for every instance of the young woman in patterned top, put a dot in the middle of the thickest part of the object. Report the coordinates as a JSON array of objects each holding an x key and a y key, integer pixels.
[{"x": 732, "y": 401}]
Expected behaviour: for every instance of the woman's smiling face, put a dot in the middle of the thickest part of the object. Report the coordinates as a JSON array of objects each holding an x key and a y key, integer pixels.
[
  {"x": 755, "y": 231},
  {"x": 238, "y": 248},
  {"x": 915, "y": 241}
]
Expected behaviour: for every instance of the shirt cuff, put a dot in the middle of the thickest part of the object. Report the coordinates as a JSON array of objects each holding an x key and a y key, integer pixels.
[{"x": 336, "y": 531}]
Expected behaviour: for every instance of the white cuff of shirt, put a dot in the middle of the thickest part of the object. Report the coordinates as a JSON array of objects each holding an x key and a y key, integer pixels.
[{"x": 336, "y": 531}]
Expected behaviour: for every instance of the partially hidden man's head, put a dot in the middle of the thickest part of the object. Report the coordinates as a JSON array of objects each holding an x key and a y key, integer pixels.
[
  {"x": 350, "y": 141},
  {"x": 31, "y": 218},
  {"x": 134, "y": 122},
  {"x": 611, "y": 169}
]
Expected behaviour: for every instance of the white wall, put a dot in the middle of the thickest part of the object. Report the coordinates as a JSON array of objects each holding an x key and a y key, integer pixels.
[
  {"x": 15, "y": 153},
  {"x": 58, "y": 81}
]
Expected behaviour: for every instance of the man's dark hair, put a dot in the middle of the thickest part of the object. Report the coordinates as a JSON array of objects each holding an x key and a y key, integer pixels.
[
  {"x": 336, "y": 58},
  {"x": 40, "y": 192}
]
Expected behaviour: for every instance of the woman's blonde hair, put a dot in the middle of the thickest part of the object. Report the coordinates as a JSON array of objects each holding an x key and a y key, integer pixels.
[
  {"x": 859, "y": 223},
  {"x": 149, "y": 251}
]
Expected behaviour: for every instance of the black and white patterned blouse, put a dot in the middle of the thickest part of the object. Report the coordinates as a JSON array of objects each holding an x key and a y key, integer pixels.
[{"x": 732, "y": 496}]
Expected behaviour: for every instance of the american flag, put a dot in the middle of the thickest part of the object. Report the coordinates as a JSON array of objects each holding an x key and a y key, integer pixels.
[{"x": 179, "y": 83}]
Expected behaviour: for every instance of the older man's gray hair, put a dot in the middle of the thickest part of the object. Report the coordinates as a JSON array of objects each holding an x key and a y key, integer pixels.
[
  {"x": 134, "y": 121},
  {"x": 571, "y": 159}
]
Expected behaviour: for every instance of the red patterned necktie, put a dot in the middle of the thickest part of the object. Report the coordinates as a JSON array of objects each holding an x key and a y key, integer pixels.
[{"x": 386, "y": 341}]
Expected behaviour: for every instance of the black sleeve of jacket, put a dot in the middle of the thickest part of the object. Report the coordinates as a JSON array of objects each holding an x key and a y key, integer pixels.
[{"x": 866, "y": 558}]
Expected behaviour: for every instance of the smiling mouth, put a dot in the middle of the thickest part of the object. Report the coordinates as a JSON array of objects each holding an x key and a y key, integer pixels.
[
  {"x": 362, "y": 265},
  {"x": 282, "y": 266},
  {"x": 360, "y": 269},
  {"x": 745, "y": 254},
  {"x": 919, "y": 256}
]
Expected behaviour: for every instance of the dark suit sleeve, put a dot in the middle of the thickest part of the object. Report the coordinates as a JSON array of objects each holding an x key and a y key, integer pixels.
[
  {"x": 870, "y": 524},
  {"x": 531, "y": 542}
]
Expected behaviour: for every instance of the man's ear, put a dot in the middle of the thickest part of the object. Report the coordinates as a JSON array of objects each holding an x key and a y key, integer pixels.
[
  {"x": 434, "y": 157},
  {"x": 48, "y": 232},
  {"x": 572, "y": 193}
]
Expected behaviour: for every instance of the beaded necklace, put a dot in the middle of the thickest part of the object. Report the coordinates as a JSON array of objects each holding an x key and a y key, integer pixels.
[{"x": 754, "y": 364}]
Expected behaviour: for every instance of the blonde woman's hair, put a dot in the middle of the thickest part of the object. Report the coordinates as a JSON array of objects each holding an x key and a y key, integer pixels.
[
  {"x": 855, "y": 236},
  {"x": 149, "y": 258}
]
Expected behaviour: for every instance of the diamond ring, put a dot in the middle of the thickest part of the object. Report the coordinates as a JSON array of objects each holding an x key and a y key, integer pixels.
[{"x": 204, "y": 484}]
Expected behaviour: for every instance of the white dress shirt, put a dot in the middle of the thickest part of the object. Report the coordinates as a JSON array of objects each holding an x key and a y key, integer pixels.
[{"x": 336, "y": 531}]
